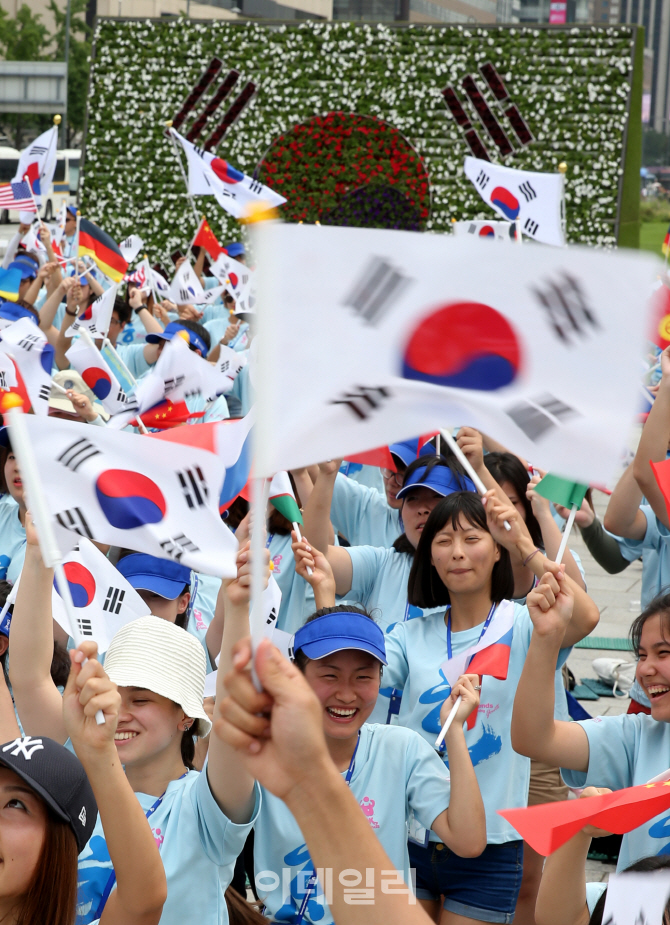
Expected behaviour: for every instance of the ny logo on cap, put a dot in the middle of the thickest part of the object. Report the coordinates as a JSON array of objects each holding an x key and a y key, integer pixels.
[
  {"x": 82, "y": 816},
  {"x": 26, "y": 747}
]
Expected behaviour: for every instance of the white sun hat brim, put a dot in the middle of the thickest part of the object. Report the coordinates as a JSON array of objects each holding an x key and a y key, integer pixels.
[{"x": 157, "y": 655}]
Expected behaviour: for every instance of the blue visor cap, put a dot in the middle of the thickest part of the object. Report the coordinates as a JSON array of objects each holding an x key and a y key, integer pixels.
[
  {"x": 337, "y": 631},
  {"x": 72, "y": 210},
  {"x": 236, "y": 249},
  {"x": 174, "y": 328},
  {"x": 27, "y": 271},
  {"x": 5, "y": 625},
  {"x": 10, "y": 311},
  {"x": 441, "y": 480},
  {"x": 408, "y": 450},
  {"x": 149, "y": 573},
  {"x": 4, "y": 436}
]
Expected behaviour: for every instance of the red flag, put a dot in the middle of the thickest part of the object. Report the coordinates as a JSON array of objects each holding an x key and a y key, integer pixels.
[
  {"x": 550, "y": 825},
  {"x": 380, "y": 457},
  {"x": 167, "y": 414},
  {"x": 206, "y": 238},
  {"x": 661, "y": 472},
  {"x": 423, "y": 440}
]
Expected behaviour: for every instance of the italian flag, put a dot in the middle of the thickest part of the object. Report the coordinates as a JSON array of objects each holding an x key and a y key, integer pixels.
[{"x": 282, "y": 497}]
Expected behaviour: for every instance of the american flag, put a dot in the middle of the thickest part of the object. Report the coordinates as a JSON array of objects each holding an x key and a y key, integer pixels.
[{"x": 16, "y": 196}]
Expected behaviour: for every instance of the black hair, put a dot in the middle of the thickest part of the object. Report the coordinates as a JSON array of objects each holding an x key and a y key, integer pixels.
[
  {"x": 506, "y": 467},
  {"x": 300, "y": 658},
  {"x": 402, "y": 544},
  {"x": 645, "y": 865},
  {"x": 198, "y": 329},
  {"x": 123, "y": 310},
  {"x": 660, "y": 606},
  {"x": 425, "y": 587},
  {"x": 188, "y": 749}
]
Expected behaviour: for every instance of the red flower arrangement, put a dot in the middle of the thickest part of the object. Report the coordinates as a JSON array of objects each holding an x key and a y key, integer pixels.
[{"x": 347, "y": 169}]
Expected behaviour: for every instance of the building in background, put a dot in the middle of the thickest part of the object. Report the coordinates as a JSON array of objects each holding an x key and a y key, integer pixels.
[{"x": 654, "y": 15}]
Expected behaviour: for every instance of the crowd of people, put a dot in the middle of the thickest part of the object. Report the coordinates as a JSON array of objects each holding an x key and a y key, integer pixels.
[{"x": 312, "y": 790}]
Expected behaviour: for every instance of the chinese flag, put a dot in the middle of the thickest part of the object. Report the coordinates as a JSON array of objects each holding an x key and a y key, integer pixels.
[
  {"x": 661, "y": 472},
  {"x": 550, "y": 825},
  {"x": 167, "y": 414},
  {"x": 206, "y": 238}
]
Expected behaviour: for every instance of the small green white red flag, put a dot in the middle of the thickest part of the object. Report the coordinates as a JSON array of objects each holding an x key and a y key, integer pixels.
[{"x": 283, "y": 499}]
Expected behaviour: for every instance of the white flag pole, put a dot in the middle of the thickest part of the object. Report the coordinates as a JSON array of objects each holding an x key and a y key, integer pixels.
[
  {"x": 168, "y": 125},
  {"x": 448, "y": 721},
  {"x": 298, "y": 535},
  {"x": 467, "y": 465},
  {"x": 51, "y": 553},
  {"x": 566, "y": 534}
]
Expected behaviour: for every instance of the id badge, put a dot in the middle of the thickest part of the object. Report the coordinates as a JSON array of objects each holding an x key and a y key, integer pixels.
[{"x": 417, "y": 834}]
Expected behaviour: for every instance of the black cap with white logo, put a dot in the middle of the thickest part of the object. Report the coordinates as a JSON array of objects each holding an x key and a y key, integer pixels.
[{"x": 58, "y": 776}]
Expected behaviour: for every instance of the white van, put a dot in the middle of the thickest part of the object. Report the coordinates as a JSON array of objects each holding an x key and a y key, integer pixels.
[{"x": 63, "y": 187}]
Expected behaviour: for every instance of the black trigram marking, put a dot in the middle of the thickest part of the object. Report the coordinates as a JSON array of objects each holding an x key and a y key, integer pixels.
[
  {"x": 194, "y": 486},
  {"x": 472, "y": 139},
  {"x": 378, "y": 287},
  {"x": 30, "y": 341},
  {"x": 38, "y": 149},
  {"x": 215, "y": 66},
  {"x": 530, "y": 226},
  {"x": 127, "y": 243},
  {"x": 569, "y": 312},
  {"x": 482, "y": 180},
  {"x": 363, "y": 402},
  {"x": 175, "y": 547},
  {"x": 291, "y": 653},
  {"x": 272, "y": 616},
  {"x": 74, "y": 520},
  {"x": 114, "y": 600},
  {"x": 231, "y": 116},
  {"x": 489, "y": 121},
  {"x": 85, "y": 626},
  {"x": 255, "y": 186},
  {"x": 173, "y": 383},
  {"x": 3, "y": 379},
  {"x": 536, "y": 417},
  {"x": 77, "y": 454},
  {"x": 224, "y": 366},
  {"x": 527, "y": 191},
  {"x": 44, "y": 392},
  {"x": 499, "y": 91},
  {"x": 224, "y": 89},
  {"x": 121, "y": 397},
  {"x": 184, "y": 296}
]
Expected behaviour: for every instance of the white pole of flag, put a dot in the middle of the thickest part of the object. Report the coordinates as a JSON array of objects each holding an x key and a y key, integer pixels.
[
  {"x": 467, "y": 465},
  {"x": 183, "y": 173},
  {"x": 32, "y": 196},
  {"x": 447, "y": 723},
  {"x": 51, "y": 554},
  {"x": 298, "y": 536},
  {"x": 566, "y": 534}
]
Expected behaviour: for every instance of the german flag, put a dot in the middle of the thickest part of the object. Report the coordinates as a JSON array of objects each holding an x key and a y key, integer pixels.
[{"x": 96, "y": 243}]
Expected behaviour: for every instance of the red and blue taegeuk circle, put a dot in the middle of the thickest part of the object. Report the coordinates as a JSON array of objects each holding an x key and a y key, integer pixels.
[
  {"x": 87, "y": 314},
  {"x": 487, "y": 231},
  {"x": 466, "y": 345},
  {"x": 81, "y": 582},
  {"x": 225, "y": 171},
  {"x": 98, "y": 381},
  {"x": 129, "y": 499},
  {"x": 506, "y": 202},
  {"x": 233, "y": 280}
]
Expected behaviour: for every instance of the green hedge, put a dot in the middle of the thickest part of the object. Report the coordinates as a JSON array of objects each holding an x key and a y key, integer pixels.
[{"x": 572, "y": 86}]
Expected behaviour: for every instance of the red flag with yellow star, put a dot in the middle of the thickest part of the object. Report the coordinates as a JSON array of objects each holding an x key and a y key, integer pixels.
[
  {"x": 206, "y": 238},
  {"x": 548, "y": 826},
  {"x": 167, "y": 414}
]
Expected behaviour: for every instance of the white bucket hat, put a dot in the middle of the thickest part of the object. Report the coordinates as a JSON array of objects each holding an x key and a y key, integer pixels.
[{"x": 157, "y": 655}]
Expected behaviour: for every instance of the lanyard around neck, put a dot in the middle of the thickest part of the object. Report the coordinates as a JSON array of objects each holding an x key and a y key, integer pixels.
[
  {"x": 311, "y": 883},
  {"x": 487, "y": 623}
]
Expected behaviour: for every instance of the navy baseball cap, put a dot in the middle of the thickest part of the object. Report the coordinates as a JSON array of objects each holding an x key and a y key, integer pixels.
[
  {"x": 172, "y": 330},
  {"x": 236, "y": 249},
  {"x": 72, "y": 210},
  {"x": 4, "y": 436},
  {"x": 440, "y": 479},
  {"x": 56, "y": 775},
  {"x": 27, "y": 270},
  {"x": 149, "y": 573},
  {"x": 334, "y": 632}
]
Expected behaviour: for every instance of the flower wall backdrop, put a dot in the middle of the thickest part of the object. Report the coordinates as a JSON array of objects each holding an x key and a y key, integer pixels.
[{"x": 401, "y": 168}]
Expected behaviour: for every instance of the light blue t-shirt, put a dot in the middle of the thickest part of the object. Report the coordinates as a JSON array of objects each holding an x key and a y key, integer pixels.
[
  {"x": 297, "y": 597},
  {"x": 415, "y": 651},
  {"x": 379, "y": 584},
  {"x": 133, "y": 356},
  {"x": 362, "y": 514},
  {"x": 395, "y": 775},
  {"x": 243, "y": 389},
  {"x": 364, "y": 475},
  {"x": 625, "y": 751},
  {"x": 198, "y": 846},
  {"x": 12, "y": 540},
  {"x": 204, "y": 592},
  {"x": 593, "y": 893}
]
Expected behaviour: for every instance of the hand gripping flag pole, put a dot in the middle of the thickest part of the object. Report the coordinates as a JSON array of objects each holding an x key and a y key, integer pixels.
[
  {"x": 467, "y": 465},
  {"x": 51, "y": 554}
]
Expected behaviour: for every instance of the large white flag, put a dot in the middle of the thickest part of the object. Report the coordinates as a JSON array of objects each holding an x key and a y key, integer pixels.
[
  {"x": 97, "y": 316},
  {"x": 531, "y": 199},
  {"x": 130, "y": 247},
  {"x": 27, "y": 346},
  {"x": 209, "y": 175},
  {"x": 185, "y": 287},
  {"x": 406, "y": 334},
  {"x": 178, "y": 374},
  {"x": 38, "y": 163},
  {"x": 129, "y": 491}
]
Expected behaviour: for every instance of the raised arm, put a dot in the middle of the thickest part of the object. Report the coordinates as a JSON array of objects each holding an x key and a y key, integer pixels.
[
  {"x": 31, "y": 640},
  {"x": 623, "y": 516},
  {"x": 320, "y": 530},
  {"x": 551, "y": 534},
  {"x": 63, "y": 343},
  {"x": 141, "y": 887},
  {"x": 286, "y": 752},
  {"x": 653, "y": 445},
  {"x": 462, "y": 827},
  {"x": 231, "y": 784},
  {"x": 151, "y": 325},
  {"x": 585, "y": 613},
  {"x": 321, "y": 579},
  {"x": 535, "y": 732}
]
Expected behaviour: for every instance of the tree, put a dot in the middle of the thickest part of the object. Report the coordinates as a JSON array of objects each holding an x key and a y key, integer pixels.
[
  {"x": 79, "y": 59},
  {"x": 23, "y": 38}
]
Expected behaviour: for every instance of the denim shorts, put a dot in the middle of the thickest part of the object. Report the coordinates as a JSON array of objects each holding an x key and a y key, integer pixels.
[{"x": 484, "y": 888}]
